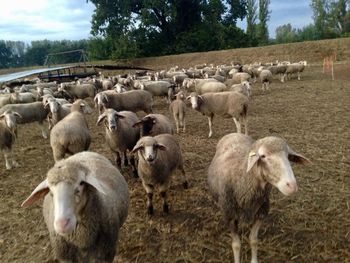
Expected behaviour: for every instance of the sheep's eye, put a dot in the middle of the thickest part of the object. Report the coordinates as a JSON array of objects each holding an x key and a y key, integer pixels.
[
  {"x": 263, "y": 156},
  {"x": 81, "y": 183}
]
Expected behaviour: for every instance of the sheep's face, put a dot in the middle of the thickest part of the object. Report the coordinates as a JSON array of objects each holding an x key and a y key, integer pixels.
[
  {"x": 272, "y": 159},
  {"x": 111, "y": 118},
  {"x": 54, "y": 105},
  {"x": 10, "y": 119},
  {"x": 195, "y": 100},
  {"x": 147, "y": 149}
]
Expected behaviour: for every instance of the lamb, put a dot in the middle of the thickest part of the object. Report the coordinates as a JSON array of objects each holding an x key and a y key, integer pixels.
[
  {"x": 71, "y": 135},
  {"x": 87, "y": 205},
  {"x": 133, "y": 100},
  {"x": 265, "y": 78},
  {"x": 8, "y": 134},
  {"x": 30, "y": 112},
  {"x": 178, "y": 109},
  {"x": 240, "y": 178},
  {"x": 226, "y": 104},
  {"x": 159, "y": 157},
  {"x": 154, "y": 124},
  {"x": 120, "y": 135},
  {"x": 81, "y": 91}
]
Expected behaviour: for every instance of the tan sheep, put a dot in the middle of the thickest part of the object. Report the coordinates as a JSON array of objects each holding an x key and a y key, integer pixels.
[
  {"x": 178, "y": 109},
  {"x": 87, "y": 205}
]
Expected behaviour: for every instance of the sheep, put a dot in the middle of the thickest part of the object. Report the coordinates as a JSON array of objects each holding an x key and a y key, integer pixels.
[
  {"x": 8, "y": 99},
  {"x": 209, "y": 87},
  {"x": 8, "y": 134},
  {"x": 133, "y": 100},
  {"x": 295, "y": 68},
  {"x": 226, "y": 104},
  {"x": 159, "y": 157},
  {"x": 24, "y": 97},
  {"x": 178, "y": 109},
  {"x": 87, "y": 205},
  {"x": 81, "y": 91},
  {"x": 71, "y": 135},
  {"x": 195, "y": 84},
  {"x": 119, "y": 88},
  {"x": 240, "y": 178},
  {"x": 154, "y": 124},
  {"x": 30, "y": 112},
  {"x": 58, "y": 111},
  {"x": 244, "y": 88},
  {"x": 237, "y": 78},
  {"x": 120, "y": 135},
  {"x": 159, "y": 88},
  {"x": 278, "y": 69},
  {"x": 265, "y": 77}
]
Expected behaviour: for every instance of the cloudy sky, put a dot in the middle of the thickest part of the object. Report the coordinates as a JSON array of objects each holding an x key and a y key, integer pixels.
[{"x": 28, "y": 20}]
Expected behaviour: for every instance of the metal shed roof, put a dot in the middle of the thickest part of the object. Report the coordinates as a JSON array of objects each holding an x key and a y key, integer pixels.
[{"x": 22, "y": 74}]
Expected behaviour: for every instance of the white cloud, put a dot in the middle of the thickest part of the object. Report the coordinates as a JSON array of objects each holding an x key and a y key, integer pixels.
[{"x": 45, "y": 19}]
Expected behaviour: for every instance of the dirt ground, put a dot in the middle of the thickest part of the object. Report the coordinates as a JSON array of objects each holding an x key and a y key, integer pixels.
[{"x": 313, "y": 226}]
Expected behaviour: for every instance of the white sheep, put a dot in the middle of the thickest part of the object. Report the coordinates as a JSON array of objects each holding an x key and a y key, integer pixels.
[
  {"x": 71, "y": 135},
  {"x": 245, "y": 88},
  {"x": 240, "y": 177},
  {"x": 226, "y": 104},
  {"x": 87, "y": 205},
  {"x": 265, "y": 76},
  {"x": 120, "y": 134},
  {"x": 159, "y": 157},
  {"x": 178, "y": 109},
  {"x": 8, "y": 134}
]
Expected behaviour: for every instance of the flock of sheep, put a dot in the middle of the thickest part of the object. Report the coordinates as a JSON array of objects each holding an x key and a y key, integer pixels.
[{"x": 86, "y": 198}]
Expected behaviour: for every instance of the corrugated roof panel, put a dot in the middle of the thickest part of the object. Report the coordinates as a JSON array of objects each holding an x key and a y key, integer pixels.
[{"x": 22, "y": 74}]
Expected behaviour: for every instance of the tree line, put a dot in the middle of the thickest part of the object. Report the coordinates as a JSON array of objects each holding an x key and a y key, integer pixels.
[{"x": 140, "y": 28}]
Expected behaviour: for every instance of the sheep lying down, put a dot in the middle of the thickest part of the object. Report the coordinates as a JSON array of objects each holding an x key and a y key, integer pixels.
[{"x": 86, "y": 201}]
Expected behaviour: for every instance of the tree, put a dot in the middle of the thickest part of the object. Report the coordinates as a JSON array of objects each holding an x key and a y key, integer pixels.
[
  {"x": 251, "y": 21},
  {"x": 237, "y": 9},
  {"x": 286, "y": 34},
  {"x": 264, "y": 16},
  {"x": 5, "y": 55}
]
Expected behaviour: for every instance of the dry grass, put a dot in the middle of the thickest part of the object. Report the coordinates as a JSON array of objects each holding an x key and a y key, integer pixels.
[{"x": 312, "y": 114}]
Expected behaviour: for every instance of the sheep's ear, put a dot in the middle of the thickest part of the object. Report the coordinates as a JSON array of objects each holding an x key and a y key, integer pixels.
[
  {"x": 188, "y": 97},
  {"x": 120, "y": 115},
  {"x": 137, "y": 148},
  {"x": 17, "y": 115},
  {"x": 252, "y": 160},
  {"x": 297, "y": 158},
  {"x": 137, "y": 124},
  {"x": 97, "y": 184},
  {"x": 101, "y": 118},
  {"x": 161, "y": 146},
  {"x": 39, "y": 192}
]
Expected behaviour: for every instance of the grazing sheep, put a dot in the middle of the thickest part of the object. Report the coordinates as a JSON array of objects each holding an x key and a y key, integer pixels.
[
  {"x": 71, "y": 135},
  {"x": 240, "y": 177},
  {"x": 81, "y": 91},
  {"x": 227, "y": 104},
  {"x": 265, "y": 79},
  {"x": 278, "y": 69},
  {"x": 8, "y": 134},
  {"x": 120, "y": 134},
  {"x": 178, "y": 109},
  {"x": 295, "y": 68},
  {"x": 30, "y": 112},
  {"x": 159, "y": 157},
  {"x": 133, "y": 100},
  {"x": 87, "y": 205},
  {"x": 154, "y": 124}
]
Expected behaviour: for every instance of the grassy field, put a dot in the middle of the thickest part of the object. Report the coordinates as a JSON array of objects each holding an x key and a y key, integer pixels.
[{"x": 313, "y": 226}]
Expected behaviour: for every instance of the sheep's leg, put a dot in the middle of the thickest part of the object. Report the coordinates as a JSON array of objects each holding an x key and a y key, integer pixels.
[
  {"x": 58, "y": 152},
  {"x": 177, "y": 123},
  {"x": 118, "y": 160},
  {"x": 133, "y": 164},
  {"x": 44, "y": 132},
  {"x": 236, "y": 242},
  {"x": 149, "y": 190},
  {"x": 163, "y": 193},
  {"x": 185, "y": 182},
  {"x": 7, "y": 156},
  {"x": 282, "y": 78},
  {"x": 126, "y": 163},
  {"x": 299, "y": 75},
  {"x": 253, "y": 240},
  {"x": 183, "y": 126},
  {"x": 238, "y": 125},
  {"x": 210, "y": 120}
]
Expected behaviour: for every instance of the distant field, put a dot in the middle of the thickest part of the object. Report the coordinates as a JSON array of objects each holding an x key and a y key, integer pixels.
[{"x": 314, "y": 226}]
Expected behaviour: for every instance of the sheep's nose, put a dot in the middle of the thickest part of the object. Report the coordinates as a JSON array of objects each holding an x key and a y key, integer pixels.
[
  {"x": 63, "y": 224},
  {"x": 112, "y": 127},
  {"x": 150, "y": 158},
  {"x": 292, "y": 186}
]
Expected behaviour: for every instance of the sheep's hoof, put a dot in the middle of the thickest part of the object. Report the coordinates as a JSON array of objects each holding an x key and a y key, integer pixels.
[
  {"x": 8, "y": 167},
  {"x": 166, "y": 208},
  {"x": 150, "y": 210},
  {"x": 185, "y": 185}
]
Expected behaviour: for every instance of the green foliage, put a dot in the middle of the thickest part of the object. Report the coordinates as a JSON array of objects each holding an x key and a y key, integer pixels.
[{"x": 264, "y": 16}]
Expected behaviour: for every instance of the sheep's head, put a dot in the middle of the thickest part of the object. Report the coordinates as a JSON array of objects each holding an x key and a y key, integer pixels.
[
  {"x": 111, "y": 118},
  {"x": 147, "y": 148},
  {"x": 69, "y": 185},
  {"x": 11, "y": 119},
  {"x": 195, "y": 99},
  {"x": 81, "y": 106},
  {"x": 146, "y": 125},
  {"x": 271, "y": 158}
]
